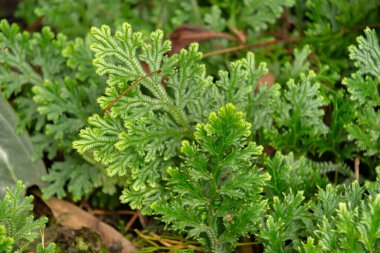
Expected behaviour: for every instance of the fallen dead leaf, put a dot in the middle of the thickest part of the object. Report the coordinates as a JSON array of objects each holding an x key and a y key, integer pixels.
[
  {"x": 73, "y": 217},
  {"x": 267, "y": 79},
  {"x": 186, "y": 34}
]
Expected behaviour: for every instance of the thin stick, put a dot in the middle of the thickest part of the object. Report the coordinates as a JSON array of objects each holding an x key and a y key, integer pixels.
[
  {"x": 357, "y": 163},
  {"x": 225, "y": 50},
  {"x": 106, "y": 212},
  {"x": 130, "y": 87},
  {"x": 163, "y": 242},
  {"x": 42, "y": 232},
  {"x": 131, "y": 221},
  {"x": 241, "y": 47},
  {"x": 146, "y": 238}
]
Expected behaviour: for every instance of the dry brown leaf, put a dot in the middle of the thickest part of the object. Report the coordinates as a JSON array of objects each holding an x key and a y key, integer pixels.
[
  {"x": 269, "y": 150},
  {"x": 267, "y": 79},
  {"x": 186, "y": 34},
  {"x": 73, "y": 217}
]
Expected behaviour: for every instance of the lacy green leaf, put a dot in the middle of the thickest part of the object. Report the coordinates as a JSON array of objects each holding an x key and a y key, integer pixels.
[{"x": 218, "y": 182}]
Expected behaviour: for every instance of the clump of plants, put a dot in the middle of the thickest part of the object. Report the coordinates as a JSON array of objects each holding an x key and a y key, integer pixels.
[{"x": 216, "y": 143}]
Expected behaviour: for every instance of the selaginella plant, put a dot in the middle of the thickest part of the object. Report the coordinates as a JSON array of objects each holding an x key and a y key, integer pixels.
[
  {"x": 154, "y": 102},
  {"x": 363, "y": 86},
  {"x": 342, "y": 218},
  {"x": 298, "y": 116},
  {"x": 347, "y": 220},
  {"x": 18, "y": 227},
  {"x": 141, "y": 132},
  {"x": 215, "y": 194}
]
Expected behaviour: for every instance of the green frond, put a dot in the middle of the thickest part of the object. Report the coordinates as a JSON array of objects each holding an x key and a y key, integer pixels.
[
  {"x": 328, "y": 167},
  {"x": 373, "y": 188},
  {"x": 260, "y": 14},
  {"x": 369, "y": 225},
  {"x": 334, "y": 20},
  {"x": 328, "y": 201},
  {"x": 272, "y": 232},
  {"x": 366, "y": 130},
  {"x": 15, "y": 216},
  {"x": 79, "y": 56},
  {"x": 237, "y": 85},
  {"x": 299, "y": 65},
  {"x": 103, "y": 136},
  {"x": 218, "y": 182},
  {"x": 363, "y": 87},
  {"x": 367, "y": 54},
  {"x": 309, "y": 247},
  {"x": 298, "y": 115},
  {"x": 80, "y": 178},
  {"x": 142, "y": 199},
  {"x": 346, "y": 226},
  {"x": 363, "y": 90},
  {"x": 286, "y": 223},
  {"x": 291, "y": 174}
]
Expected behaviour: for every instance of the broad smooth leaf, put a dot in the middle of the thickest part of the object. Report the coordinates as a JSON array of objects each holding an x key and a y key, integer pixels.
[{"x": 15, "y": 152}]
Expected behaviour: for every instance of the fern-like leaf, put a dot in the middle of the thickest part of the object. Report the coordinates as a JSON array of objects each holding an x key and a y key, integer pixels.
[
  {"x": 363, "y": 87},
  {"x": 15, "y": 215},
  {"x": 218, "y": 182}
]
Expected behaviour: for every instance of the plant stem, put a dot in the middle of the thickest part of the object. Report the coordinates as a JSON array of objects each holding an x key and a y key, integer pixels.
[
  {"x": 241, "y": 47},
  {"x": 130, "y": 87}
]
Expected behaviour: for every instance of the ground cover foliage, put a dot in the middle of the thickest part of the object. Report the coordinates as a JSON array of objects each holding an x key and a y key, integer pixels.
[{"x": 225, "y": 125}]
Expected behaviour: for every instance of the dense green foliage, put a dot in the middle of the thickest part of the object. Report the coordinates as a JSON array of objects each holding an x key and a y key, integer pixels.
[
  {"x": 75, "y": 18},
  {"x": 18, "y": 228},
  {"x": 56, "y": 90},
  {"x": 165, "y": 130},
  {"x": 340, "y": 219}
]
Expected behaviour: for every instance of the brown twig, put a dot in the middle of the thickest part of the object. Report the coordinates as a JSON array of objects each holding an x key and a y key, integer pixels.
[
  {"x": 130, "y": 87},
  {"x": 131, "y": 221},
  {"x": 201, "y": 36},
  {"x": 145, "y": 238},
  {"x": 373, "y": 25},
  {"x": 42, "y": 234},
  {"x": 357, "y": 163},
  {"x": 143, "y": 220},
  {"x": 169, "y": 243},
  {"x": 241, "y": 47},
  {"x": 107, "y": 212}
]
